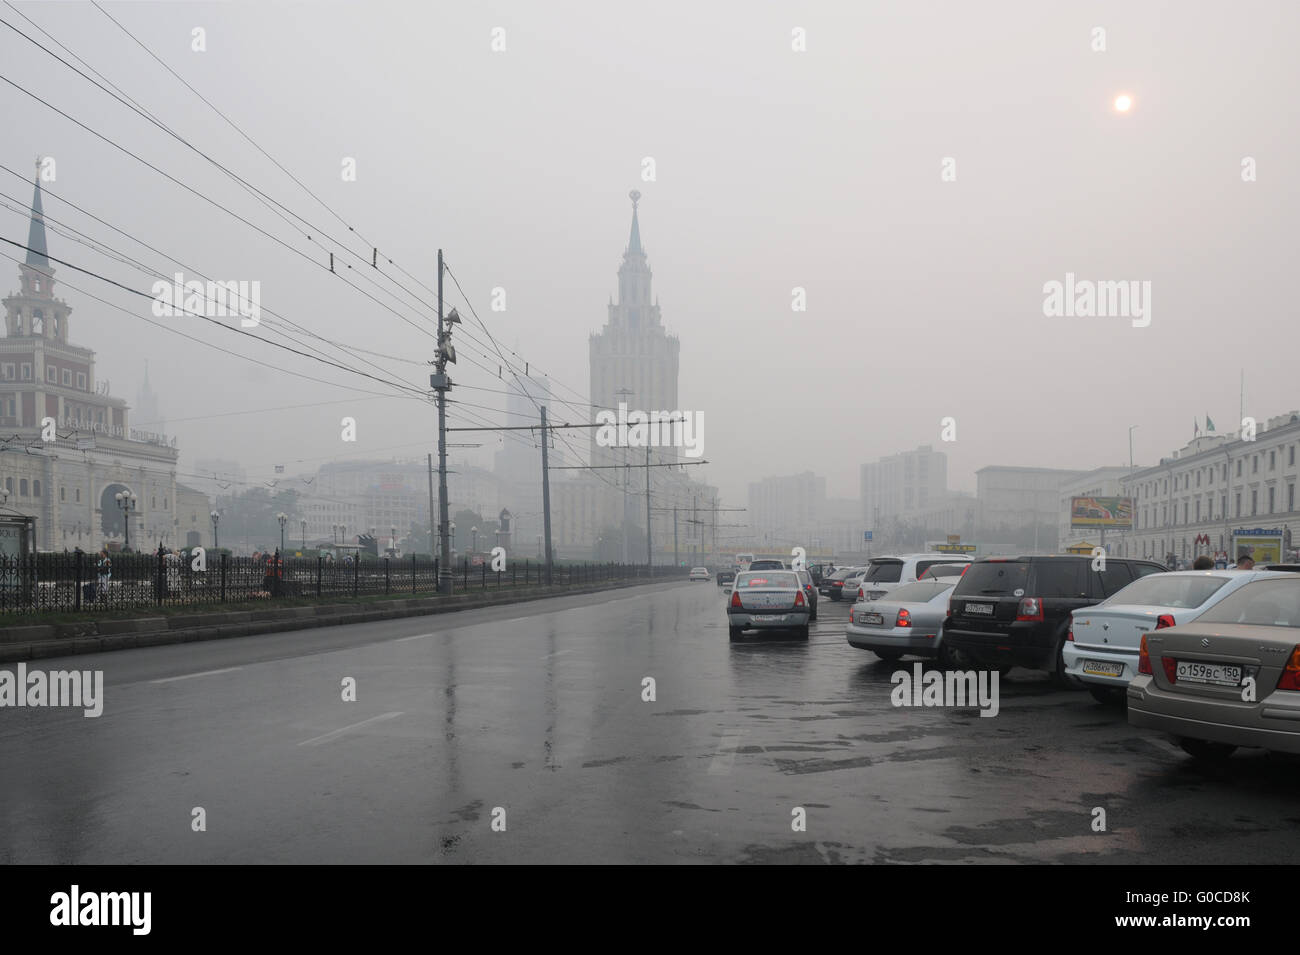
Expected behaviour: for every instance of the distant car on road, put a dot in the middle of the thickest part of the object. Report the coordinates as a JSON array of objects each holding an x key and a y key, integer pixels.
[
  {"x": 849, "y": 588},
  {"x": 1191, "y": 680},
  {"x": 909, "y": 620},
  {"x": 1102, "y": 647},
  {"x": 766, "y": 564},
  {"x": 699, "y": 573},
  {"x": 768, "y": 600},
  {"x": 725, "y": 577}
]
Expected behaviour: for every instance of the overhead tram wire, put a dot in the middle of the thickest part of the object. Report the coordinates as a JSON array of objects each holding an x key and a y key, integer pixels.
[
  {"x": 525, "y": 390},
  {"x": 415, "y": 392},
  {"x": 233, "y": 125},
  {"x": 265, "y": 197},
  {"x": 70, "y": 232},
  {"x": 131, "y": 103},
  {"x": 213, "y": 202}
]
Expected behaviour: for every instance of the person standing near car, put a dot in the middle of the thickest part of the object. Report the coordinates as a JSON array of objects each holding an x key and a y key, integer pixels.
[
  {"x": 1204, "y": 562},
  {"x": 104, "y": 569},
  {"x": 1245, "y": 561}
]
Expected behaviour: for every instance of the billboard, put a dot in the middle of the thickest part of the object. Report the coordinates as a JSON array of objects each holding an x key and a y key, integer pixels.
[
  {"x": 1102, "y": 512},
  {"x": 1263, "y": 545}
]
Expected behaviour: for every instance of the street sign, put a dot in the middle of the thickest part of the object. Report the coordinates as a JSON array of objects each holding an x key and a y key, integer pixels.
[{"x": 866, "y": 536}]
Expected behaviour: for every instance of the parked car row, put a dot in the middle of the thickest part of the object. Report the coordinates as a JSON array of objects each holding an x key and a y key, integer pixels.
[{"x": 1210, "y": 657}]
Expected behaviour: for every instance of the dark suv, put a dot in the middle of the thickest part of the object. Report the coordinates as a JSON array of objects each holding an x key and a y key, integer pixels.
[{"x": 1015, "y": 611}]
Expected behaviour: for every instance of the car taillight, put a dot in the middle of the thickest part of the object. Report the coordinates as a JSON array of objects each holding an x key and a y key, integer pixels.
[
  {"x": 798, "y": 599},
  {"x": 735, "y": 599},
  {"x": 904, "y": 618},
  {"x": 860, "y": 595},
  {"x": 1290, "y": 679},
  {"x": 1165, "y": 620},
  {"x": 1069, "y": 634},
  {"x": 850, "y": 616},
  {"x": 1171, "y": 669},
  {"x": 1144, "y": 658},
  {"x": 948, "y": 615},
  {"x": 1031, "y": 608}
]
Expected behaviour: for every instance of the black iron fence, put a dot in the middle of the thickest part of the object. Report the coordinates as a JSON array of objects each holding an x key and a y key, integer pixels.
[{"x": 84, "y": 583}]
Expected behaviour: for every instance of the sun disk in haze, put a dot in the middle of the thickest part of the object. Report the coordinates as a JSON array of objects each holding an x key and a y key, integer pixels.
[{"x": 1123, "y": 102}]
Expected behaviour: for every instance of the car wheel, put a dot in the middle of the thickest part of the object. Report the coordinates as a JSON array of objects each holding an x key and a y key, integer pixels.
[
  {"x": 1107, "y": 695},
  {"x": 889, "y": 656},
  {"x": 734, "y": 633},
  {"x": 949, "y": 658},
  {"x": 803, "y": 632},
  {"x": 1206, "y": 750},
  {"x": 813, "y": 615}
]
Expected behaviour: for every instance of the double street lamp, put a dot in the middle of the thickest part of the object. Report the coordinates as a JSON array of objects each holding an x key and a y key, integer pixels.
[
  {"x": 126, "y": 501},
  {"x": 283, "y": 518},
  {"x": 215, "y": 517},
  {"x": 473, "y": 546}
]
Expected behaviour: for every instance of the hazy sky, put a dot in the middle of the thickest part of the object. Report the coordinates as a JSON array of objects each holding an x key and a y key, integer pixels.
[{"x": 774, "y": 169}]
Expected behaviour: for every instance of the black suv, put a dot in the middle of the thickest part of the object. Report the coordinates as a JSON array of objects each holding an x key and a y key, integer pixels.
[{"x": 1015, "y": 611}]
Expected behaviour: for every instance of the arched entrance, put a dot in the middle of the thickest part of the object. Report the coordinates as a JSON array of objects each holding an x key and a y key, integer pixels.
[{"x": 111, "y": 520}]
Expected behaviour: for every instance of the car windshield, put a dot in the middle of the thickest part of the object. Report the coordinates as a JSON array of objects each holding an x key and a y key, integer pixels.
[
  {"x": 919, "y": 592},
  {"x": 777, "y": 579},
  {"x": 1269, "y": 603},
  {"x": 699, "y": 570},
  {"x": 1167, "y": 590},
  {"x": 885, "y": 571},
  {"x": 994, "y": 577}
]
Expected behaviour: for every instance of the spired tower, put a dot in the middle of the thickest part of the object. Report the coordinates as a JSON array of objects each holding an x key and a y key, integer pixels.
[{"x": 633, "y": 358}]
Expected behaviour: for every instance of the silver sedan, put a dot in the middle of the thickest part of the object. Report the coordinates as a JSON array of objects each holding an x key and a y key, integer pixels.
[
  {"x": 768, "y": 600},
  {"x": 907, "y": 621}
]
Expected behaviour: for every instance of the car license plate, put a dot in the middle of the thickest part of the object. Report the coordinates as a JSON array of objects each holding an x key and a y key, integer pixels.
[
  {"x": 1099, "y": 668},
  {"x": 1221, "y": 674},
  {"x": 985, "y": 609},
  {"x": 768, "y": 617},
  {"x": 875, "y": 618}
]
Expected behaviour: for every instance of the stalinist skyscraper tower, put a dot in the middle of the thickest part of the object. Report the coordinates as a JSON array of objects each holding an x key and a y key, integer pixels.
[{"x": 633, "y": 359}]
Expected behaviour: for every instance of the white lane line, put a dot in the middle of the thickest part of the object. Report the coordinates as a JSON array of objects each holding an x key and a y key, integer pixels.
[
  {"x": 418, "y": 636},
  {"x": 559, "y": 653},
  {"x": 334, "y": 734},
  {"x": 190, "y": 676},
  {"x": 725, "y": 755}
]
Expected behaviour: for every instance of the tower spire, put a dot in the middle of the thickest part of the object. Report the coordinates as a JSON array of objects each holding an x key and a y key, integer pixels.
[
  {"x": 634, "y": 241},
  {"x": 37, "y": 251}
]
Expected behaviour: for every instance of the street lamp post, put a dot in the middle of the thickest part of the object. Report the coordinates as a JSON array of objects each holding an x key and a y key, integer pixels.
[
  {"x": 126, "y": 501},
  {"x": 473, "y": 546},
  {"x": 304, "y": 535},
  {"x": 283, "y": 518},
  {"x": 452, "y": 527},
  {"x": 539, "y": 546},
  {"x": 215, "y": 517}
]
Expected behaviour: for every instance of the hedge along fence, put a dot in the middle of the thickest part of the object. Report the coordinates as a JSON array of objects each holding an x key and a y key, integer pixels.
[{"x": 80, "y": 583}]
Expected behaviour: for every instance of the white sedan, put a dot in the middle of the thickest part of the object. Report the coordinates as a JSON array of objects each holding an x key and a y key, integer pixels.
[
  {"x": 699, "y": 573},
  {"x": 1103, "y": 643}
]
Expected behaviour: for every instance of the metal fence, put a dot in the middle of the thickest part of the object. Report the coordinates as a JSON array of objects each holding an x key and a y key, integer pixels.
[{"x": 82, "y": 583}]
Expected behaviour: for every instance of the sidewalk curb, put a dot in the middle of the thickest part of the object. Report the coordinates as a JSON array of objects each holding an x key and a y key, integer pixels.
[{"x": 157, "y": 631}]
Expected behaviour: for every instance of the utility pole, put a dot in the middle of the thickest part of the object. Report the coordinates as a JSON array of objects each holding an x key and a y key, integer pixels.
[
  {"x": 649, "y": 555},
  {"x": 676, "y": 560},
  {"x": 432, "y": 520},
  {"x": 546, "y": 495},
  {"x": 441, "y": 384}
]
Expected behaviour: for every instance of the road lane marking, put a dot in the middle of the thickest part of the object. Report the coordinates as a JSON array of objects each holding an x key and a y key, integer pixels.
[
  {"x": 190, "y": 676},
  {"x": 725, "y": 755},
  {"x": 418, "y": 636},
  {"x": 559, "y": 653},
  {"x": 334, "y": 734}
]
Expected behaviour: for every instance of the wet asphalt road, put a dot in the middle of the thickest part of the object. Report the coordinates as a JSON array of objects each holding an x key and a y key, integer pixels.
[{"x": 537, "y": 709}]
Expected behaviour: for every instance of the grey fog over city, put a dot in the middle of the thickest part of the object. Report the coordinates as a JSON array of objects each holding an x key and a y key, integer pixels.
[{"x": 564, "y": 432}]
